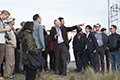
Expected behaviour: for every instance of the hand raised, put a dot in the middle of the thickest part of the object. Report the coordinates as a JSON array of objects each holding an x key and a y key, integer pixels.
[{"x": 81, "y": 24}]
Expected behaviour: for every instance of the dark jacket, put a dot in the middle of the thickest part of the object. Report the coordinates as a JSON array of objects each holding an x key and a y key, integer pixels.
[
  {"x": 28, "y": 43},
  {"x": 46, "y": 39},
  {"x": 114, "y": 42},
  {"x": 104, "y": 39},
  {"x": 64, "y": 31},
  {"x": 91, "y": 42},
  {"x": 79, "y": 45}
]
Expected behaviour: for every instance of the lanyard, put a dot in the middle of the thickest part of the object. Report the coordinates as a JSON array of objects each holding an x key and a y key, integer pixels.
[
  {"x": 3, "y": 24},
  {"x": 57, "y": 30},
  {"x": 12, "y": 29},
  {"x": 10, "y": 26}
]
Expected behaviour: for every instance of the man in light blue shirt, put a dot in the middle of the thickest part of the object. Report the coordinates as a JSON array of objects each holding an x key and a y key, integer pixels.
[
  {"x": 58, "y": 34},
  {"x": 101, "y": 46},
  {"x": 60, "y": 38}
]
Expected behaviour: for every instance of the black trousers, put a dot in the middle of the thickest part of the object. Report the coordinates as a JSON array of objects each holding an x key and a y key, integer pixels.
[
  {"x": 89, "y": 56},
  {"x": 61, "y": 54},
  {"x": 52, "y": 59},
  {"x": 44, "y": 54},
  {"x": 30, "y": 73},
  {"x": 107, "y": 59},
  {"x": 17, "y": 61},
  {"x": 101, "y": 52},
  {"x": 79, "y": 60}
]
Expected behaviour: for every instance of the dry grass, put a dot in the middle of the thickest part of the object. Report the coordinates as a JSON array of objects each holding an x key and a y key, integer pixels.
[
  {"x": 71, "y": 75},
  {"x": 89, "y": 75}
]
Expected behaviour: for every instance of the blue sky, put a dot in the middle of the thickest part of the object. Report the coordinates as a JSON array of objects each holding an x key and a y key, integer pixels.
[{"x": 74, "y": 11}]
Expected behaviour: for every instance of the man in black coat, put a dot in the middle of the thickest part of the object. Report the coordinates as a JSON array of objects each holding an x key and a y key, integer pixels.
[
  {"x": 58, "y": 34},
  {"x": 79, "y": 48},
  {"x": 90, "y": 48},
  {"x": 114, "y": 45}
]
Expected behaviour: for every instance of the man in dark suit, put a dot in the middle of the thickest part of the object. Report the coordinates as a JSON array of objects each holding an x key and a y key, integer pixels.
[
  {"x": 58, "y": 34},
  {"x": 104, "y": 30},
  {"x": 90, "y": 48}
]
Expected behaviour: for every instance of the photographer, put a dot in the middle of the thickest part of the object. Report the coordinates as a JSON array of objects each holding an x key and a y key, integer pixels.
[
  {"x": 3, "y": 16},
  {"x": 10, "y": 49}
]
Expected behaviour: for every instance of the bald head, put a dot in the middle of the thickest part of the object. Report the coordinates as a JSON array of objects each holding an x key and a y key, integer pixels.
[{"x": 57, "y": 23}]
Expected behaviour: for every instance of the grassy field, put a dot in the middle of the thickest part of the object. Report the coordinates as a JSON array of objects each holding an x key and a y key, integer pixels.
[
  {"x": 89, "y": 75},
  {"x": 71, "y": 75}
]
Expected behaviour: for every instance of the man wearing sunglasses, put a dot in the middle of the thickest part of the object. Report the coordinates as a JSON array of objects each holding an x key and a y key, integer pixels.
[{"x": 114, "y": 44}]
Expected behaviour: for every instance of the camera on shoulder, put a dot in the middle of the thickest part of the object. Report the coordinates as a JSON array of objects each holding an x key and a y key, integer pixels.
[{"x": 7, "y": 36}]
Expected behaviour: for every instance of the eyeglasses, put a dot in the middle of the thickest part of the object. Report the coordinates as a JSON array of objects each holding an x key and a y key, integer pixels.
[{"x": 97, "y": 26}]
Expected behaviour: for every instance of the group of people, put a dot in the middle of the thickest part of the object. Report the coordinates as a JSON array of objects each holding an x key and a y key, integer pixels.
[
  {"x": 89, "y": 48},
  {"x": 94, "y": 46},
  {"x": 13, "y": 58}
]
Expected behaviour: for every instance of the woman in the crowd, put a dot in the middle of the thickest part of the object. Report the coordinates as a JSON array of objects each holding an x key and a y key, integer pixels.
[{"x": 28, "y": 43}]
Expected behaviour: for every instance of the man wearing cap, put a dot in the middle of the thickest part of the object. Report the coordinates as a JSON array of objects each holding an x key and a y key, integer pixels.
[
  {"x": 101, "y": 45},
  {"x": 10, "y": 47},
  {"x": 79, "y": 48}
]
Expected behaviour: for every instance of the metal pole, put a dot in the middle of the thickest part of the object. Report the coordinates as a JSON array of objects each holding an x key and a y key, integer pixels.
[{"x": 108, "y": 17}]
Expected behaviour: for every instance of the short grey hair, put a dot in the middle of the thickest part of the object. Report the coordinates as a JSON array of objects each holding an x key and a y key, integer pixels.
[
  {"x": 55, "y": 21},
  {"x": 23, "y": 22}
]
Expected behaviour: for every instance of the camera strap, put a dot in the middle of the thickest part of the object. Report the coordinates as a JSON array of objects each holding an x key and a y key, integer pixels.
[
  {"x": 10, "y": 26},
  {"x": 2, "y": 23},
  {"x": 12, "y": 29}
]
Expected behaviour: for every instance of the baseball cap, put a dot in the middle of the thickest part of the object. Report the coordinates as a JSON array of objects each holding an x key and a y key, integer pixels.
[{"x": 79, "y": 29}]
